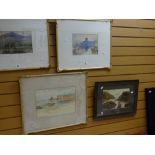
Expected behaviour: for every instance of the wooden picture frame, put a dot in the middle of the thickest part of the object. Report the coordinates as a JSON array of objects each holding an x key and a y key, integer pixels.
[
  {"x": 53, "y": 101},
  {"x": 23, "y": 44},
  {"x": 115, "y": 98},
  {"x": 83, "y": 44}
]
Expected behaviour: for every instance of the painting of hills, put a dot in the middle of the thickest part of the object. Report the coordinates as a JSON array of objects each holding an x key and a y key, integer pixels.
[{"x": 15, "y": 42}]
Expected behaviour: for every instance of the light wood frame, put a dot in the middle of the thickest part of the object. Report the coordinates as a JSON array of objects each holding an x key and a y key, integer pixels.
[
  {"x": 71, "y": 34},
  {"x": 23, "y": 44},
  {"x": 53, "y": 101}
]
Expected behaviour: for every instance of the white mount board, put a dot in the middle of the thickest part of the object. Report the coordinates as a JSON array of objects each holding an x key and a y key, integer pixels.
[
  {"x": 69, "y": 30},
  {"x": 53, "y": 101},
  {"x": 23, "y": 44}
]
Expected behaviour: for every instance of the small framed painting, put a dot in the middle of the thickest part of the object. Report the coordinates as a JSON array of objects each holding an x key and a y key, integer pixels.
[
  {"x": 23, "y": 44},
  {"x": 115, "y": 98},
  {"x": 83, "y": 44},
  {"x": 53, "y": 101}
]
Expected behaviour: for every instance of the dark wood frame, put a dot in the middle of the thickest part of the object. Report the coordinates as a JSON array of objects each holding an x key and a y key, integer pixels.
[
  {"x": 150, "y": 110},
  {"x": 130, "y": 107}
]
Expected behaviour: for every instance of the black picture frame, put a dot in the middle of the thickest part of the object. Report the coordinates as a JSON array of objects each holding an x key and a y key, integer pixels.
[
  {"x": 150, "y": 110},
  {"x": 114, "y": 98}
]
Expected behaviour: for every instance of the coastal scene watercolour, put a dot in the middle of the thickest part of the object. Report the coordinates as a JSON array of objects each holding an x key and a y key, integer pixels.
[{"x": 55, "y": 101}]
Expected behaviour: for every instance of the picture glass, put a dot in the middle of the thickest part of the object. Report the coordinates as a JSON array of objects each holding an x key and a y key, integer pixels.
[
  {"x": 23, "y": 44},
  {"x": 15, "y": 42},
  {"x": 55, "y": 101},
  {"x": 84, "y": 44},
  {"x": 115, "y": 98}
]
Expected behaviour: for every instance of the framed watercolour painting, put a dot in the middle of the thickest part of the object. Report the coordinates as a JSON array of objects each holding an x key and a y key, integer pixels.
[
  {"x": 83, "y": 44},
  {"x": 53, "y": 101},
  {"x": 115, "y": 98},
  {"x": 23, "y": 44}
]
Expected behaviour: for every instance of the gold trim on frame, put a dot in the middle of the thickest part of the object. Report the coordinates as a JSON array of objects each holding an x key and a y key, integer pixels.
[
  {"x": 98, "y": 20},
  {"x": 92, "y": 68}
]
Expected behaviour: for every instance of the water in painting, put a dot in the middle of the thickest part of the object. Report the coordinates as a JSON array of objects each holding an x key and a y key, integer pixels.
[
  {"x": 116, "y": 99},
  {"x": 56, "y": 101}
]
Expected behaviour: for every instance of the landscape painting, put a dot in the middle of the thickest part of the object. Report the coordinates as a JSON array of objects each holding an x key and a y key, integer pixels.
[
  {"x": 115, "y": 99},
  {"x": 15, "y": 42},
  {"x": 84, "y": 44},
  {"x": 58, "y": 101}
]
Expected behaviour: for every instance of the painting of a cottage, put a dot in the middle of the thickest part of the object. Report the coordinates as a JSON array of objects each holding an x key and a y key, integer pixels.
[{"x": 85, "y": 44}]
